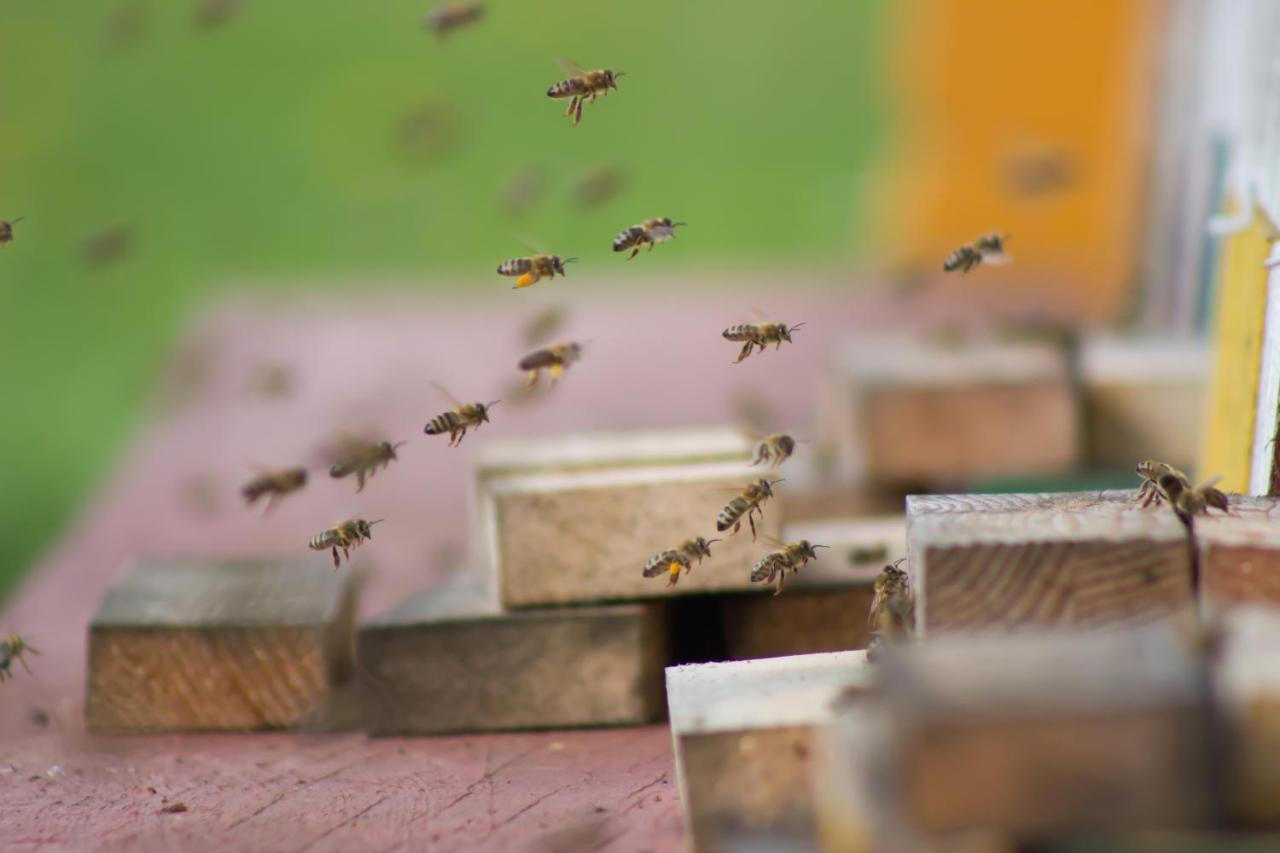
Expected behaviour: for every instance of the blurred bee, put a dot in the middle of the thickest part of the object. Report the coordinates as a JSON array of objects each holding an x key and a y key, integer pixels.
[
  {"x": 213, "y": 13},
  {"x": 1187, "y": 501},
  {"x": 791, "y": 557},
  {"x": 774, "y": 449},
  {"x": 275, "y": 485},
  {"x": 989, "y": 248},
  {"x": 532, "y": 269},
  {"x": 107, "y": 246},
  {"x": 750, "y": 503},
  {"x": 582, "y": 86},
  {"x": 523, "y": 190},
  {"x": 683, "y": 556},
  {"x": 13, "y": 647},
  {"x": 1151, "y": 471},
  {"x": 553, "y": 359},
  {"x": 362, "y": 458},
  {"x": 443, "y": 20},
  {"x": 760, "y": 335},
  {"x": 126, "y": 24},
  {"x": 271, "y": 381},
  {"x": 457, "y": 420},
  {"x": 543, "y": 325},
  {"x": 596, "y": 186},
  {"x": 893, "y": 606},
  {"x": 347, "y": 535},
  {"x": 427, "y": 132},
  {"x": 6, "y": 229},
  {"x": 648, "y": 233},
  {"x": 868, "y": 554}
]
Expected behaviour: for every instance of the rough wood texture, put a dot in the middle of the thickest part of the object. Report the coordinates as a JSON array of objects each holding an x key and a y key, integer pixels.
[
  {"x": 449, "y": 660},
  {"x": 1240, "y": 554},
  {"x": 742, "y": 733},
  {"x": 1082, "y": 559},
  {"x": 1247, "y": 681},
  {"x": 910, "y": 410},
  {"x": 180, "y": 646},
  {"x": 585, "y": 536}
]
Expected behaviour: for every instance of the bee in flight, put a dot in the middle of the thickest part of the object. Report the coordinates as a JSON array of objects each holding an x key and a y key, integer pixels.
[
  {"x": 6, "y": 229},
  {"x": 541, "y": 326},
  {"x": 791, "y": 557},
  {"x": 534, "y": 268},
  {"x": 749, "y": 503},
  {"x": 683, "y": 556},
  {"x": 347, "y": 535},
  {"x": 553, "y": 359},
  {"x": 362, "y": 458},
  {"x": 13, "y": 647},
  {"x": 275, "y": 485},
  {"x": 459, "y": 418},
  {"x": 443, "y": 20},
  {"x": 760, "y": 335},
  {"x": 648, "y": 233},
  {"x": 597, "y": 185},
  {"x": 893, "y": 607},
  {"x": 1151, "y": 471},
  {"x": 582, "y": 86},
  {"x": 774, "y": 449},
  {"x": 987, "y": 249},
  {"x": 1187, "y": 501}
]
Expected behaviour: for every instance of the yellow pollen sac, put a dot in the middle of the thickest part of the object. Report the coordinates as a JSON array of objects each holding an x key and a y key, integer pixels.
[{"x": 526, "y": 280}]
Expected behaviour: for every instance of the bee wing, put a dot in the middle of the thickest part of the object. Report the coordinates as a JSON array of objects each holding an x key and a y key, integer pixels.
[
  {"x": 444, "y": 392},
  {"x": 996, "y": 260},
  {"x": 1209, "y": 483},
  {"x": 543, "y": 326},
  {"x": 772, "y": 540},
  {"x": 568, "y": 66},
  {"x": 532, "y": 245}
]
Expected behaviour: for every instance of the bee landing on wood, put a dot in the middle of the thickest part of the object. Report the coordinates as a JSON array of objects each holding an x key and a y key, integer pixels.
[
  {"x": 760, "y": 335},
  {"x": 6, "y": 229},
  {"x": 583, "y": 86},
  {"x": 1151, "y": 471},
  {"x": 791, "y": 557},
  {"x": 275, "y": 485},
  {"x": 553, "y": 359},
  {"x": 750, "y": 503},
  {"x": 893, "y": 608},
  {"x": 347, "y": 535},
  {"x": 1187, "y": 501},
  {"x": 443, "y": 20},
  {"x": 533, "y": 269},
  {"x": 683, "y": 556},
  {"x": 13, "y": 647},
  {"x": 987, "y": 249},
  {"x": 363, "y": 459},
  {"x": 774, "y": 449},
  {"x": 648, "y": 233},
  {"x": 457, "y": 420}
]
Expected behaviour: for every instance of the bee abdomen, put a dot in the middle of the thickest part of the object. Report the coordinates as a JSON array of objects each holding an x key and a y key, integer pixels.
[
  {"x": 541, "y": 358},
  {"x": 962, "y": 257},
  {"x": 627, "y": 238},
  {"x": 323, "y": 541},
  {"x": 740, "y": 332},
  {"x": 515, "y": 266},
  {"x": 659, "y": 563},
  {"x": 731, "y": 513},
  {"x": 767, "y": 565},
  {"x": 566, "y": 88},
  {"x": 446, "y": 422}
]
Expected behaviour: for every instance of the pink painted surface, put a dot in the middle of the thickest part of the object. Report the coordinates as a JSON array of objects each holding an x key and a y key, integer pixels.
[{"x": 657, "y": 359}]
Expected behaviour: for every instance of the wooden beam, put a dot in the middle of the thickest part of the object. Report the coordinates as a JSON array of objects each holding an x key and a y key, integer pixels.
[
  {"x": 742, "y": 733},
  {"x": 449, "y": 660},
  {"x": 181, "y": 646},
  {"x": 1240, "y": 554},
  {"x": 1080, "y": 559}
]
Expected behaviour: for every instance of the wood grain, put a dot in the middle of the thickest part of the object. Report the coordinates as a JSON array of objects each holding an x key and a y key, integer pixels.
[{"x": 1240, "y": 554}]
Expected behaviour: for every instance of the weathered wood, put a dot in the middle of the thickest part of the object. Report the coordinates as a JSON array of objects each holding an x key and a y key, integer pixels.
[
  {"x": 916, "y": 411},
  {"x": 1082, "y": 559},
  {"x": 742, "y": 733},
  {"x": 449, "y": 660},
  {"x": 185, "y": 646},
  {"x": 1240, "y": 554}
]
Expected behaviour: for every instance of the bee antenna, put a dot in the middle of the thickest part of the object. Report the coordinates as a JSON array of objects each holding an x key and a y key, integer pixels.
[
  {"x": 379, "y": 521},
  {"x": 714, "y": 541},
  {"x": 674, "y": 224},
  {"x": 617, "y": 74},
  {"x": 820, "y": 546},
  {"x": 776, "y": 482},
  {"x": 398, "y": 445},
  {"x": 798, "y": 325},
  {"x": 568, "y": 260},
  {"x": 492, "y": 404},
  {"x": 16, "y": 221}
]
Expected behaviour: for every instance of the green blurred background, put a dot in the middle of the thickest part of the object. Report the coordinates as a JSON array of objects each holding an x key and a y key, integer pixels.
[{"x": 269, "y": 147}]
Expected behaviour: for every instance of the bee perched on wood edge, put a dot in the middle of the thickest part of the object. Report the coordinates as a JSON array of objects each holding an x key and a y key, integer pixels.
[
  {"x": 13, "y": 647},
  {"x": 774, "y": 449},
  {"x": 749, "y": 503},
  {"x": 362, "y": 458},
  {"x": 347, "y": 535},
  {"x": 683, "y": 556},
  {"x": 649, "y": 233},
  {"x": 760, "y": 335},
  {"x": 553, "y": 359},
  {"x": 791, "y": 557},
  {"x": 1151, "y": 471},
  {"x": 457, "y": 420},
  {"x": 533, "y": 269},
  {"x": 443, "y": 20},
  {"x": 275, "y": 485},
  {"x": 1188, "y": 501},
  {"x": 892, "y": 617},
  {"x": 582, "y": 86},
  {"x": 6, "y": 229},
  {"x": 987, "y": 249}
]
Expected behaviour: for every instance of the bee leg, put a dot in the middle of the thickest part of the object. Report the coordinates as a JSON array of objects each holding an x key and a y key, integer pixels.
[
  {"x": 529, "y": 278},
  {"x": 336, "y": 562},
  {"x": 533, "y": 378},
  {"x": 556, "y": 370},
  {"x": 635, "y": 251},
  {"x": 737, "y": 527},
  {"x": 573, "y": 102},
  {"x": 578, "y": 114},
  {"x": 746, "y": 351},
  {"x": 782, "y": 579},
  {"x": 359, "y": 481},
  {"x": 751, "y": 520},
  {"x": 461, "y": 436},
  {"x": 673, "y": 574}
]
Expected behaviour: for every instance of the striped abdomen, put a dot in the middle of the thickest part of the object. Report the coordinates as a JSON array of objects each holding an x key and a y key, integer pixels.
[
  {"x": 742, "y": 332},
  {"x": 447, "y": 422},
  {"x": 662, "y": 562},
  {"x": 515, "y": 266},
  {"x": 541, "y": 359},
  {"x": 574, "y": 86},
  {"x": 768, "y": 566},
  {"x": 733, "y": 511},
  {"x": 326, "y": 540},
  {"x": 629, "y": 238},
  {"x": 966, "y": 257}
]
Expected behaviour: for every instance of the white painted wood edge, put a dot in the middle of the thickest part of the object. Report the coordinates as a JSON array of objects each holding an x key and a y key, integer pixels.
[{"x": 1268, "y": 391}]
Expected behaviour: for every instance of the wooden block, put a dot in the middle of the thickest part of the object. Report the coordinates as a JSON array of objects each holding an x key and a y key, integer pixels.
[
  {"x": 1079, "y": 559},
  {"x": 1144, "y": 398},
  {"x": 585, "y": 536},
  {"x": 181, "y": 646},
  {"x": 1240, "y": 554},
  {"x": 449, "y": 660},
  {"x": 742, "y": 733},
  {"x": 824, "y": 607},
  {"x": 1247, "y": 685}
]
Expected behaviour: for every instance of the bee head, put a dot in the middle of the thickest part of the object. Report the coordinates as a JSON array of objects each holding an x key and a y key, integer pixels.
[
  {"x": 767, "y": 487},
  {"x": 1172, "y": 484},
  {"x": 485, "y": 407},
  {"x": 388, "y": 449},
  {"x": 611, "y": 78},
  {"x": 787, "y": 330},
  {"x": 704, "y": 545},
  {"x": 363, "y": 527},
  {"x": 786, "y": 444},
  {"x": 559, "y": 262},
  {"x": 300, "y": 476},
  {"x": 808, "y": 549}
]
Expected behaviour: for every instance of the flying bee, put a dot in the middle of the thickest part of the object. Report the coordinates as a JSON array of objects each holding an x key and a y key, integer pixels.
[
  {"x": 893, "y": 606},
  {"x": 459, "y": 418},
  {"x": 554, "y": 359},
  {"x": 774, "y": 449},
  {"x": 683, "y": 556},
  {"x": 1151, "y": 471},
  {"x": 791, "y": 557},
  {"x": 541, "y": 326},
  {"x": 749, "y": 503},
  {"x": 597, "y": 185},
  {"x": 988, "y": 249},
  {"x": 13, "y": 647},
  {"x": 443, "y": 20},
  {"x": 1187, "y": 501},
  {"x": 362, "y": 458},
  {"x": 582, "y": 86},
  {"x": 533, "y": 269},
  {"x": 107, "y": 246},
  {"x": 6, "y": 229},
  {"x": 649, "y": 233},
  {"x": 209, "y": 14},
  {"x": 347, "y": 535},
  {"x": 275, "y": 484},
  {"x": 760, "y": 335}
]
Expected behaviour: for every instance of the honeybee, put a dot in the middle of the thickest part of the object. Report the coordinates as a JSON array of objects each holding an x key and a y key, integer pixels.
[
  {"x": 774, "y": 449},
  {"x": 106, "y": 246},
  {"x": 683, "y": 556},
  {"x": 596, "y": 186},
  {"x": 1187, "y": 501},
  {"x": 532, "y": 269},
  {"x": 759, "y": 335},
  {"x": 543, "y": 325},
  {"x": 347, "y": 535},
  {"x": 6, "y": 229},
  {"x": 989, "y": 248},
  {"x": 13, "y": 647},
  {"x": 648, "y": 233},
  {"x": 275, "y": 484},
  {"x": 459, "y": 418},
  {"x": 1151, "y": 471},
  {"x": 582, "y": 86},
  {"x": 749, "y": 503},
  {"x": 791, "y": 557},
  {"x": 554, "y": 359},
  {"x": 523, "y": 190},
  {"x": 443, "y": 20},
  {"x": 362, "y": 458},
  {"x": 213, "y": 13},
  {"x": 893, "y": 606}
]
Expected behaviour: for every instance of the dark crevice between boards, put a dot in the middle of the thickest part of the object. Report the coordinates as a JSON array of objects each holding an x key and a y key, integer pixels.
[
  {"x": 1189, "y": 523},
  {"x": 695, "y": 630}
]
